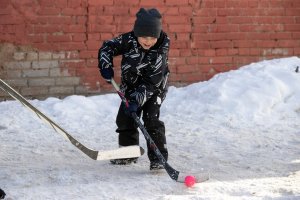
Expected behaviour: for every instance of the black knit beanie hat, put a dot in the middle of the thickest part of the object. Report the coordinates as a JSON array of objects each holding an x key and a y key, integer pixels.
[{"x": 147, "y": 23}]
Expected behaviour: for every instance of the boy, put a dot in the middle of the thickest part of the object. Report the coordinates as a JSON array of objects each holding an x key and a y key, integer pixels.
[{"x": 144, "y": 71}]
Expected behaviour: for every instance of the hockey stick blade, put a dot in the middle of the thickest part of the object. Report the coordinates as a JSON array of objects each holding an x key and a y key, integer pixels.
[
  {"x": 174, "y": 174},
  {"x": 125, "y": 152}
]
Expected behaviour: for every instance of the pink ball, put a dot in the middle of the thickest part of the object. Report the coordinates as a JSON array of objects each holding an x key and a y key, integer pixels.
[{"x": 189, "y": 181}]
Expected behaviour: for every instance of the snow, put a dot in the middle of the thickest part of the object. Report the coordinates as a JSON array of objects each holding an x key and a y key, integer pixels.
[{"x": 243, "y": 126}]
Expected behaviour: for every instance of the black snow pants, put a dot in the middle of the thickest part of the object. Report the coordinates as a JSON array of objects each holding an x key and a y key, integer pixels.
[{"x": 128, "y": 132}]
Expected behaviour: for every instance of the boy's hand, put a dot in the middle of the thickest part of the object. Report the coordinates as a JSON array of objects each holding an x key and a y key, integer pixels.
[
  {"x": 133, "y": 107},
  {"x": 107, "y": 74}
]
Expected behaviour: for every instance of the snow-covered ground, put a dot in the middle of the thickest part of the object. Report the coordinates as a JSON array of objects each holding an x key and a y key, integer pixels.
[{"x": 243, "y": 126}]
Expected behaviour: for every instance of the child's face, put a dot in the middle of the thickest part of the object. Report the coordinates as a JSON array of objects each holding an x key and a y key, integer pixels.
[{"x": 147, "y": 42}]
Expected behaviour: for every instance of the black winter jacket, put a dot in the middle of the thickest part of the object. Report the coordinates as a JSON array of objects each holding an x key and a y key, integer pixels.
[{"x": 143, "y": 72}]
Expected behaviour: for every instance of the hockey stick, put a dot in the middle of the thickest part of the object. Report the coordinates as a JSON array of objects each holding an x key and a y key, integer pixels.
[
  {"x": 124, "y": 152},
  {"x": 174, "y": 174}
]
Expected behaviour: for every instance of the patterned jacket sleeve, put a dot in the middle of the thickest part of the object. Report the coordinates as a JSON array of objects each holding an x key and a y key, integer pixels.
[{"x": 109, "y": 49}]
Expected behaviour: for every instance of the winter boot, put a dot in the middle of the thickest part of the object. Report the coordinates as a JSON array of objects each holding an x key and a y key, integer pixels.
[
  {"x": 2, "y": 194},
  {"x": 156, "y": 165}
]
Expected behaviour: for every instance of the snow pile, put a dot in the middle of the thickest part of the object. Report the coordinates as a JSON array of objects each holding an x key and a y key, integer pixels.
[{"x": 243, "y": 126}]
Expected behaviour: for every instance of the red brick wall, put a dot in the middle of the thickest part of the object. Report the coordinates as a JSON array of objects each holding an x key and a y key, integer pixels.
[{"x": 49, "y": 48}]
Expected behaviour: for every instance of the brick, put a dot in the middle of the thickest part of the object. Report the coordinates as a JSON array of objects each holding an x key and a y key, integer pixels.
[
  {"x": 93, "y": 28},
  {"x": 177, "y": 61},
  {"x": 200, "y": 44},
  {"x": 221, "y": 52},
  {"x": 292, "y": 27},
  {"x": 209, "y": 52},
  {"x": 242, "y": 60},
  {"x": 92, "y": 62},
  {"x": 281, "y": 35},
  {"x": 41, "y": 82},
  {"x": 240, "y": 20},
  {"x": 88, "y": 54},
  {"x": 244, "y": 51},
  {"x": 55, "y": 28},
  {"x": 67, "y": 81},
  {"x": 284, "y": 20},
  {"x": 62, "y": 90},
  {"x": 74, "y": 29},
  {"x": 74, "y": 3},
  {"x": 35, "y": 73},
  {"x": 193, "y": 77},
  {"x": 197, "y": 28},
  {"x": 245, "y": 43},
  {"x": 116, "y": 10},
  {"x": 16, "y": 82},
  {"x": 36, "y": 38},
  {"x": 59, "y": 38},
  {"x": 72, "y": 54},
  {"x": 72, "y": 63},
  {"x": 174, "y": 52},
  {"x": 297, "y": 51},
  {"x": 228, "y": 12},
  {"x": 48, "y": 11},
  {"x": 275, "y": 4},
  {"x": 93, "y": 36},
  {"x": 192, "y": 60},
  {"x": 185, "y": 10},
  {"x": 186, "y": 69},
  {"x": 220, "y": 44},
  {"x": 267, "y": 43},
  {"x": 46, "y": 3},
  {"x": 10, "y": 19},
  {"x": 227, "y": 28},
  {"x": 32, "y": 56},
  {"x": 169, "y": 10},
  {"x": 54, "y": 20},
  {"x": 81, "y": 20},
  {"x": 204, "y": 20},
  {"x": 58, "y": 55},
  {"x": 17, "y": 65},
  {"x": 186, "y": 52},
  {"x": 183, "y": 28},
  {"x": 57, "y": 72},
  {"x": 255, "y": 52},
  {"x": 282, "y": 51},
  {"x": 72, "y": 46},
  {"x": 74, "y": 11},
  {"x": 296, "y": 35},
  {"x": 131, "y": 2},
  {"x": 100, "y": 3},
  {"x": 34, "y": 91},
  {"x": 13, "y": 74},
  {"x": 61, "y": 3},
  {"x": 44, "y": 64},
  {"x": 152, "y": 3},
  {"x": 176, "y": 2},
  {"x": 288, "y": 43},
  {"x": 292, "y": 12},
  {"x": 253, "y": 4},
  {"x": 105, "y": 19},
  {"x": 19, "y": 56},
  {"x": 208, "y": 12},
  {"x": 45, "y": 55},
  {"x": 219, "y": 60}
]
